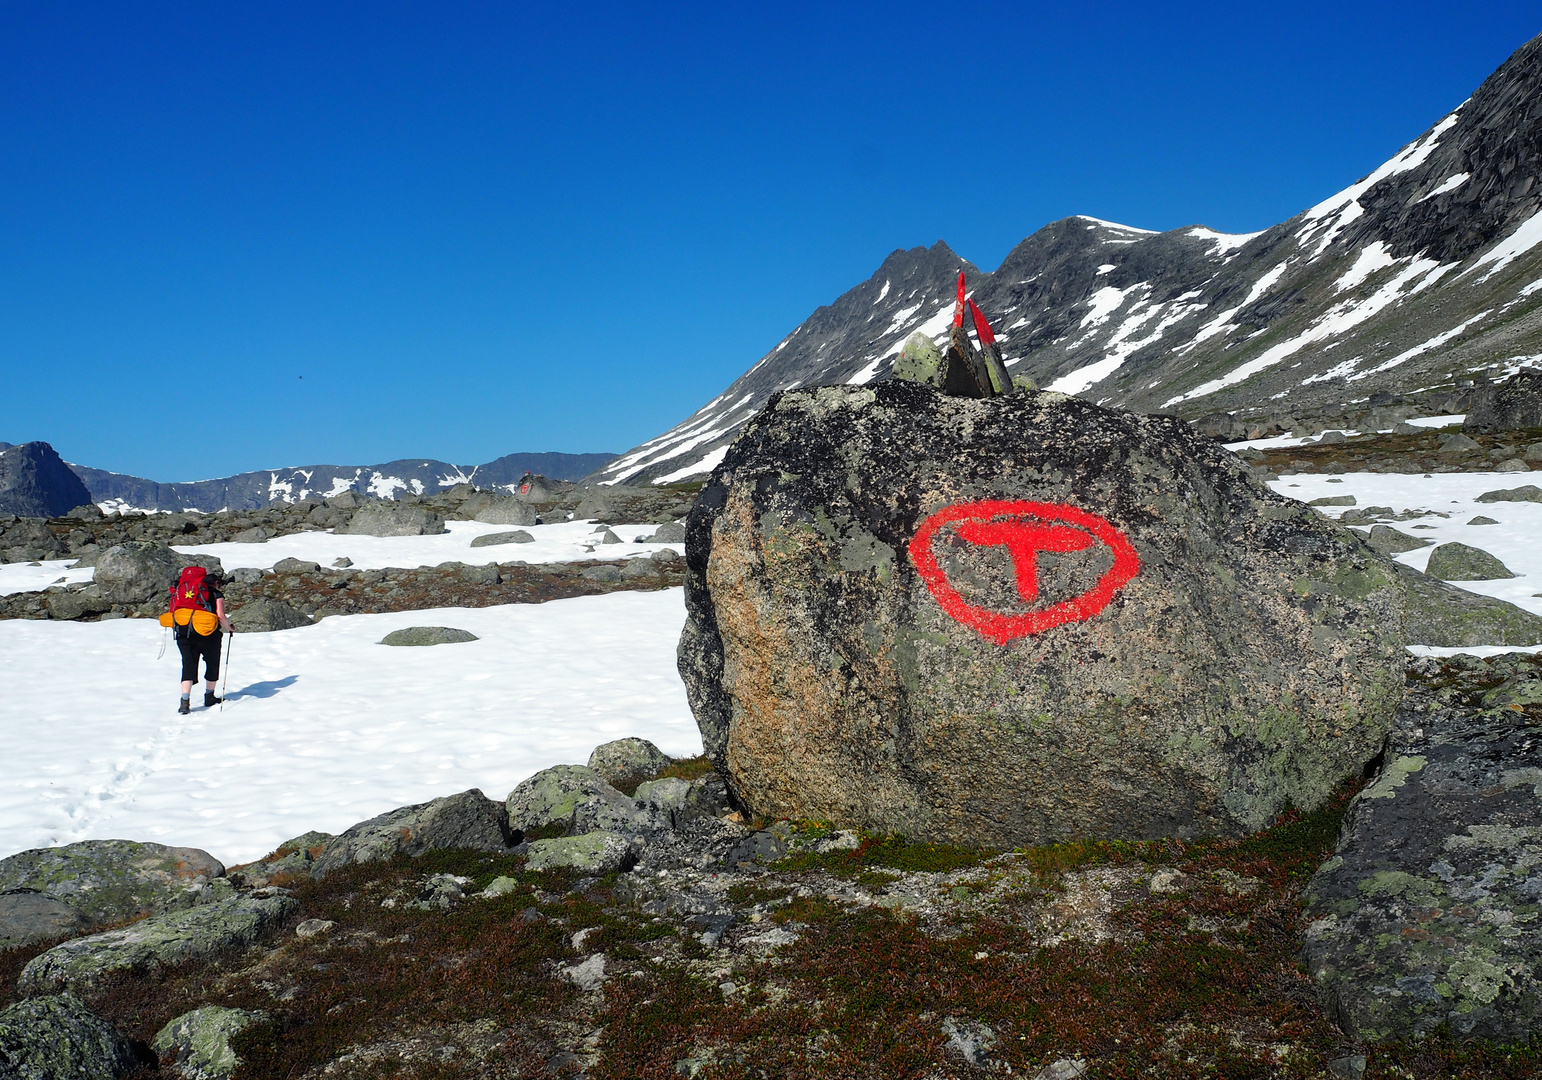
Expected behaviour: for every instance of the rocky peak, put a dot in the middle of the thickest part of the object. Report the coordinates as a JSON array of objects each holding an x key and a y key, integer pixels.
[{"x": 35, "y": 482}]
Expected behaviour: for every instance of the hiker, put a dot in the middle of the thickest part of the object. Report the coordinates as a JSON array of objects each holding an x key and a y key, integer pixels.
[{"x": 197, "y": 616}]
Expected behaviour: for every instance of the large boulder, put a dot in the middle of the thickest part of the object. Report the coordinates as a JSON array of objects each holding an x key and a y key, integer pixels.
[
  {"x": 1024, "y": 619},
  {"x": 1514, "y": 403},
  {"x": 49, "y": 1038},
  {"x": 109, "y": 881},
  {"x": 28, "y": 540},
  {"x": 1463, "y": 562},
  {"x": 498, "y": 509},
  {"x": 623, "y": 760},
  {"x": 1427, "y": 914},
  {"x": 393, "y": 519},
  {"x": 467, "y": 820},
  {"x": 35, "y": 482},
  {"x": 137, "y": 572},
  {"x": 263, "y": 616},
  {"x": 161, "y": 941}
]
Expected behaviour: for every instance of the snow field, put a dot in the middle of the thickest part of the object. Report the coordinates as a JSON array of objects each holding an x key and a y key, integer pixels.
[{"x": 323, "y": 727}]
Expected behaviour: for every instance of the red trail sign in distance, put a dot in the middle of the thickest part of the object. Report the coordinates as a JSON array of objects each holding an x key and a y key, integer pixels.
[{"x": 1024, "y": 529}]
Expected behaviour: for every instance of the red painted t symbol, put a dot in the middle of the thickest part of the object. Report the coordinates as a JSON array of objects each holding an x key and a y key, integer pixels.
[{"x": 1023, "y": 541}]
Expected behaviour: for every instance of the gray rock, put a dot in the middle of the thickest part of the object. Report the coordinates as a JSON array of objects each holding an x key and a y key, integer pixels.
[
  {"x": 1390, "y": 541},
  {"x": 639, "y": 568},
  {"x": 671, "y": 532},
  {"x": 1514, "y": 403},
  {"x": 296, "y": 566},
  {"x": 1333, "y": 500},
  {"x": 665, "y": 555},
  {"x": 137, "y": 572},
  {"x": 1482, "y": 520},
  {"x": 1331, "y": 438},
  {"x": 481, "y": 574},
  {"x": 681, "y": 802},
  {"x": 109, "y": 881},
  {"x": 1524, "y": 493},
  {"x": 348, "y": 500},
  {"x": 264, "y": 616},
  {"x": 1533, "y": 453},
  {"x": 592, "y": 853},
  {"x": 160, "y": 941},
  {"x": 971, "y": 1040},
  {"x": 427, "y": 635},
  {"x": 1445, "y": 616},
  {"x": 603, "y": 572},
  {"x": 499, "y": 510},
  {"x": 77, "y": 603},
  {"x": 594, "y": 506},
  {"x": 199, "y": 1041},
  {"x": 57, "y": 1037},
  {"x": 1512, "y": 465},
  {"x": 342, "y": 562},
  {"x": 255, "y": 535},
  {"x": 210, "y": 563},
  {"x": 28, "y": 917},
  {"x": 608, "y": 537},
  {"x": 1456, "y": 444},
  {"x": 1461, "y": 562},
  {"x": 467, "y": 820},
  {"x": 518, "y": 536},
  {"x": 246, "y": 575},
  {"x": 27, "y": 541},
  {"x": 859, "y": 640},
  {"x": 624, "y": 760},
  {"x": 394, "y": 519},
  {"x": 1426, "y": 914},
  {"x": 86, "y": 512},
  {"x": 575, "y": 800}
]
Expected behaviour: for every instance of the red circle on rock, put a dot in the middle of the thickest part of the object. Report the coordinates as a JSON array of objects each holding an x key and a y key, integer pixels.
[{"x": 1038, "y": 520}]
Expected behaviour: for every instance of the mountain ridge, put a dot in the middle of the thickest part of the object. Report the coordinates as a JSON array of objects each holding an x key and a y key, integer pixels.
[{"x": 1415, "y": 282}]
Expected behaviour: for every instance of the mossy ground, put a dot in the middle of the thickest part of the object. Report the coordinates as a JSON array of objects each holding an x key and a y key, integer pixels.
[{"x": 1196, "y": 977}]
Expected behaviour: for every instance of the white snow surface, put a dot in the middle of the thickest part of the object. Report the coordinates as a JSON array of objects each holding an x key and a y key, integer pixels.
[
  {"x": 323, "y": 727},
  {"x": 1450, "y": 499},
  {"x": 1512, "y": 247},
  {"x": 1223, "y": 242}
]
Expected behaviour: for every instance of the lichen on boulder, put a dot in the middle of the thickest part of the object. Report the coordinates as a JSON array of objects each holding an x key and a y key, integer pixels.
[
  {"x": 110, "y": 881},
  {"x": 1023, "y": 619},
  {"x": 56, "y": 1036},
  {"x": 199, "y": 1041}
]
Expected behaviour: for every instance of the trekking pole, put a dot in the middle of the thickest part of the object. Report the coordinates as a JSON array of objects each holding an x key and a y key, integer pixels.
[{"x": 230, "y": 647}]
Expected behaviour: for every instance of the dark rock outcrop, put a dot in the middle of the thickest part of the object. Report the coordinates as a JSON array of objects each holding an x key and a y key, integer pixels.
[
  {"x": 35, "y": 482},
  {"x": 1024, "y": 619},
  {"x": 1514, "y": 403},
  {"x": 1427, "y": 914},
  {"x": 137, "y": 572}
]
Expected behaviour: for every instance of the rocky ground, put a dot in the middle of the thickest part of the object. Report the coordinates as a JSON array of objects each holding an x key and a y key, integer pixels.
[
  {"x": 315, "y": 591},
  {"x": 429, "y": 942},
  {"x": 1417, "y": 450}
]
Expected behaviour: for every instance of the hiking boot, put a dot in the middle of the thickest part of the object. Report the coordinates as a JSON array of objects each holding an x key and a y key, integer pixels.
[
  {"x": 209, "y": 700},
  {"x": 183, "y": 707}
]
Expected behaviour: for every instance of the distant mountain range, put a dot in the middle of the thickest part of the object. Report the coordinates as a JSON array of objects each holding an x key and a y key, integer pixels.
[
  {"x": 245, "y": 491},
  {"x": 1420, "y": 277}
]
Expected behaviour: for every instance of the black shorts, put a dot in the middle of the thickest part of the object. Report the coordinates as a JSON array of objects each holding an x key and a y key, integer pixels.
[{"x": 195, "y": 645}]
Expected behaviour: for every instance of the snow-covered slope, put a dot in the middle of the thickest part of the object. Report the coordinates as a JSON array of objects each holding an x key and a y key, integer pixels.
[{"x": 1420, "y": 275}]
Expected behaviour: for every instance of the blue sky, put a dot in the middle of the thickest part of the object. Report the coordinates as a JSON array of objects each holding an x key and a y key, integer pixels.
[{"x": 234, "y": 239}]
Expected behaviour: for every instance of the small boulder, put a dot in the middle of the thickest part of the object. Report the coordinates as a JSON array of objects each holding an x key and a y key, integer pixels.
[
  {"x": 199, "y": 1041},
  {"x": 28, "y": 917},
  {"x": 1333, "y": 500},
  {"x": 347, "y": 500},
  {"x": 1482, "y": 520},
  {"x": 1456, "y": 444},
  {"x": 109, "y": 881},
  {"x": 1461, "y": 562},
  {"x": 623, "y": 760},
  {"x": 77, "y": 603},
  {"x": 1390, "y": 541},
  {"x": 136, "y": 572},
  {"x": 1512, "y": 465},
  {"x": 592, "y": 853},
  {"x": 1449, "y": 617},
  {"x": 255, "y": 535},
  {"x": 467, "y": 820},
  {"x": 167, "y": 940},
  {"x": 427, "y": 635},
  {"x": 671, "y": 532},
  {"x": 534, "y": 488},
  {"x": 1524, "y": 493},
  {"x": 394, "y": 519},
  {"x": 593, "y": 507},
  {"x": 517, "y": 536},
  {"x": 264, "y": 616},
  {"x": 296, "y": 566},
  {"x": 609, "y": 537},
  {"x": 576, "y": 800},
  {"x": 54, "y": 1037}
]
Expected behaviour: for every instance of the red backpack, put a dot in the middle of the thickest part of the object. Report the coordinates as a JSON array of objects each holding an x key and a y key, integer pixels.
[{"x": 192, "y": 602}]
